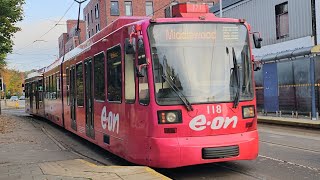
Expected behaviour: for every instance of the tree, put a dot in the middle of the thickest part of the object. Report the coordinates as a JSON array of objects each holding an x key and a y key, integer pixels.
[
  {"x": 10, "y": 13},
  {"x": 13, "y": 80}
]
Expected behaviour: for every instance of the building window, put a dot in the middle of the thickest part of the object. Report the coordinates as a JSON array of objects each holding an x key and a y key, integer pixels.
[
  {"x": 99, "y": 81},
  {"x": 114, "y": 74},
  {"x": 149, "y": 8},
  {"x": 114, "y": 11},
  {"x": 128, "y": 8},
  {"x": 210, "y": 4},
  {"x": 98, "y": 27},
  {"x": 79, "y": 85},
  {"x": 89, "y": 34},
  {"x": 88, "y": 21},
  {"x": 91, "y": 16},
  {"x": 96, "y": 11},
  {"x": 282, "y": 20}
]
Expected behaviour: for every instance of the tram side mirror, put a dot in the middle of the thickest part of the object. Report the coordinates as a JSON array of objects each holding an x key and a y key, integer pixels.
[
  {"x": 130, "y": 46},
  {"x": 141, "y": 70},
  {"x": 256, "y": 66},
  {"x": 257, "y": 39}
]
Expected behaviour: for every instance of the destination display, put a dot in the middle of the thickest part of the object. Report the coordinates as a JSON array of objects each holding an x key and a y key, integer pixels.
[{"x": 210, "y": 32}]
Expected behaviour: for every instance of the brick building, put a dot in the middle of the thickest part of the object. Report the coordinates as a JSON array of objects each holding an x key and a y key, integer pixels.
[
  {"x": 99, "y": 13},
  {"x": 70, "y": 40}
]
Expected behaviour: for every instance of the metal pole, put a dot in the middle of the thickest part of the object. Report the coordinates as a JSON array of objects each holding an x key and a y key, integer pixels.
[
  {"x": 220, "y": 8},
  {"x": 0, "y": 103},
  {"x": 78, "y": 23},
  {"x": 313, "y": 95}
]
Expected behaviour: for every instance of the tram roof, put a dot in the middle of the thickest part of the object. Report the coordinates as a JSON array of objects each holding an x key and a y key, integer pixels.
[{"x": 85, "y": 46}]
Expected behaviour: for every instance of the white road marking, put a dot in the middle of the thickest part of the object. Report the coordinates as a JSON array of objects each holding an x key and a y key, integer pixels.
[{"x": 288, "y": 162}]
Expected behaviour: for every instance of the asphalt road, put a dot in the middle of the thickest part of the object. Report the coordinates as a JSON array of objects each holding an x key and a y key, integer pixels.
[{"x": 285, "y": 153}]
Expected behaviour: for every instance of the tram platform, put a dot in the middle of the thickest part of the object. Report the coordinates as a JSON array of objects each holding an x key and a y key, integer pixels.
[
  {"x": 26, "y": 152},
  {"x": 303, "y": 121}
]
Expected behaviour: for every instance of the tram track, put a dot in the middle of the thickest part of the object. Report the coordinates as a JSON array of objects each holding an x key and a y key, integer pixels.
[
  {"x": 49, "y": 130},
  {"x": 247, "y": 173},
  {"x": 291, "y": 147},
  {"x": 64, "y": 146}
]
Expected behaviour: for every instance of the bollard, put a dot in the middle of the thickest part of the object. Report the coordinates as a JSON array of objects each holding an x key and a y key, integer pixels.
[
  {"x": 292, "y": 114},
  {"x": 17, "y": 104},
  {"x": 276, "y": 113},
  {"x": 297, "y": 114},
  {"x": 310, "y": 116},
  {"x": 317, "y": 115},
  {"x": 280, "y": 114}
]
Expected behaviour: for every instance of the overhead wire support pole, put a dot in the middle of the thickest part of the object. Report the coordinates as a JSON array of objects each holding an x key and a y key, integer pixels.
[
  {"x": 78, "y": 23},
  {"x": 220, "y": 4}
]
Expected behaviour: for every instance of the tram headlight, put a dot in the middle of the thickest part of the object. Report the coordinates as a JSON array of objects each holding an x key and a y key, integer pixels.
[
  {"x": 248, "y": 112},
  {"x": 169, "y": 117}
]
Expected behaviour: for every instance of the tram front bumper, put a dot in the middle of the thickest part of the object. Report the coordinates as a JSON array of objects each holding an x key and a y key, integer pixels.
[{"x": 184, "y": 151}]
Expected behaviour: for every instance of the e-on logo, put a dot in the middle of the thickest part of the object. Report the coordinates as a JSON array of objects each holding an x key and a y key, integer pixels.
[
  {"x": 112, "y": 120},
  {"x": 200, "y": 122}
]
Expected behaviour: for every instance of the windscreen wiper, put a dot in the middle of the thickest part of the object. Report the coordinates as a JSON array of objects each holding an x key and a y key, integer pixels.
[
  {"x": 236, "y": 71},
  {"x": 179, "y": 93}
]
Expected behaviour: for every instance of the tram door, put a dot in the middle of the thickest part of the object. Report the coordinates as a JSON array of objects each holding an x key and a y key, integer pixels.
[
  {"x": 31, "y": 96},
  {"x": 37, "y": 96},
  {"x": 73, "y": 98},
  {"x": 89, "y": 98}
]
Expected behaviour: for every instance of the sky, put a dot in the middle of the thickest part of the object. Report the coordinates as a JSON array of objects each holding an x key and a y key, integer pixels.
[{"x": 35, "y": 46}]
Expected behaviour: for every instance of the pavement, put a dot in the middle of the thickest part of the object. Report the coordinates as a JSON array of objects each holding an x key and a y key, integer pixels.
[
  {"x": 7, "y": 104},
  {"x": 289, "y": 121},
  {"x": 27, "y": 152}
]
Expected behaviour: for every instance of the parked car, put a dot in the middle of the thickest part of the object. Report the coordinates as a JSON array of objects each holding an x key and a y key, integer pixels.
[
  {"x": 14, "y": 98},
  {"x": 22, "y": 98}
]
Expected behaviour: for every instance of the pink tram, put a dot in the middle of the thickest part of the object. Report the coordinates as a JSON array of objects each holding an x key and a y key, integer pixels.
[{"x": 165, "y": 92}]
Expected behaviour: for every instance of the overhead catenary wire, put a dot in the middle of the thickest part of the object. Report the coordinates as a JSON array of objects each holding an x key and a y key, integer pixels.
[{"x": 56, "y": 24}]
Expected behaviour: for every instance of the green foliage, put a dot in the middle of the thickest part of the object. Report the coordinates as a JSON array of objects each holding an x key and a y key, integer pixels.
[{"x": 10, "y": 13}]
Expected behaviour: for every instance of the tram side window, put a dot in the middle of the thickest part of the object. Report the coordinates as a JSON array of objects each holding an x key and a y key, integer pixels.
[
  {"x": 50, "y": 87},
  {"x": 40, "y": 90},
  {"x": 58, "y": 84},
  {"x": 54, "y": 86},
  {"x": 99, "y": 77},
  {"x": 129, "y": 84},
  {"x": 26, "y": 90},
  {"x": 47, "y": 88},
  {"x": 144, "y": 97},
  {"x": 79, "y": 85},
  {"x": 114, "y": 74},
  {"x": 68, "y": 85}
]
